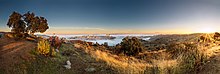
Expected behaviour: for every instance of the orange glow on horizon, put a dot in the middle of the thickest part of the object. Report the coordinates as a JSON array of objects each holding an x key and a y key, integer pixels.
[{"x": 124, "y": 31}]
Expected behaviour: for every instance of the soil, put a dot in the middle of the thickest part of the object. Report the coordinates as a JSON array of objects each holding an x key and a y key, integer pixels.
[
  {"x": 13, "y": 52},
  {"x": 16, "y": 57}
]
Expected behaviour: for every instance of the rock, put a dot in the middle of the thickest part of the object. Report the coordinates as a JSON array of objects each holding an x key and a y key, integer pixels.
[
  {"x": 90, "y": 69},
  {"x": 56, "y": 50},
  {"x": 68, "y": 62},
  {"x": 68, "y": 65},
  {"x": 74, "y": 54}
]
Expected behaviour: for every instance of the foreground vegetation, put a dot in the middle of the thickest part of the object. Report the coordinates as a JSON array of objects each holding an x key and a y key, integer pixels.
[
  {"x": 184, "y": 54},
  {"x": 166, "y": 54},
  {"x": 37, "y": 61}
]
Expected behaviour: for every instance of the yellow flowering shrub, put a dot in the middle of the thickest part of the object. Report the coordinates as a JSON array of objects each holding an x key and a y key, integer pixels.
[{"x": 43, "y": 47}]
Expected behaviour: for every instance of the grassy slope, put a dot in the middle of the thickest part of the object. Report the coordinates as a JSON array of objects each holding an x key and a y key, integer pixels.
[
  {"x": 12, "y": 53},
  {"x": 23, "y": 59},
  {"x": 80, "y": 59}
]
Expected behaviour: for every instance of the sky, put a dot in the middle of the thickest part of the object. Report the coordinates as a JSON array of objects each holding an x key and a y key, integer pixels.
[{"x": 119, "y": 16}]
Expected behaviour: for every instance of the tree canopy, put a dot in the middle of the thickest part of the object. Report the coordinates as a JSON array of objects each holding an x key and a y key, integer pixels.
[
  {"x": 27, "y": 23},
  {"x": 131, "y": 46}
]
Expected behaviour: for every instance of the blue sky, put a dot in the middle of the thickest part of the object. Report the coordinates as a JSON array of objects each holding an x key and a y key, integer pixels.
[{"x": 118, "y": 16}]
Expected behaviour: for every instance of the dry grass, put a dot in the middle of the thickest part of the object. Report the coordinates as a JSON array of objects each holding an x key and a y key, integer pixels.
[
  {"x": 131, "y": 65},
  {"x": 125, "y": 65},
  {"x": 180, "y": 58},
  {"x": 162, "y": 67}
]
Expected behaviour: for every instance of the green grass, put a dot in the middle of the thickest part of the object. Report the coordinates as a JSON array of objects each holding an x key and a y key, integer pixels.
[
  {"x": 2, "y": 71},
  {"x": 189, "y": 57},
  {"x": 44, "y": 64}
]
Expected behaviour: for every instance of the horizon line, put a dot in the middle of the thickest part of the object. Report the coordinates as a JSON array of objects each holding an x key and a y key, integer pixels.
[{"x": 120, "y": 33}]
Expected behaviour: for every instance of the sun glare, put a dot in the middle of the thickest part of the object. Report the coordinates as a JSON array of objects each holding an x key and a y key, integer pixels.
[{"x": 207, "y": 30}]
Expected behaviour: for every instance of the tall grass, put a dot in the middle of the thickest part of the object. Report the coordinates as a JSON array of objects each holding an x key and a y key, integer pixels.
[
  {"x": 123, "y": 64},
  {"x": 180, "y": 58},
  {"x": 190, "y": 57}
]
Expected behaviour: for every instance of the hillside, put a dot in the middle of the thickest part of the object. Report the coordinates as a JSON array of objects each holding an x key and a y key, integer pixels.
[
  {"x": 20, "y": 57},
  {"x": 213, "y": 65},
  {"x": 164, "y": 54},
  {"x": 14, "y": 52}
]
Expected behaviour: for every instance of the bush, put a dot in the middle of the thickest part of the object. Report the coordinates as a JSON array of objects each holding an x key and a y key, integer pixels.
[
  {"x": 131, "y": 46},
  {"x": 191, "y": 59},
  {"x": 18, "y": 36},
  {"x": 43, "y": 47}
]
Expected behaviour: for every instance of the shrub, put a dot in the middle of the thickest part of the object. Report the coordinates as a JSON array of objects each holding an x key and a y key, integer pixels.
[
  {"x": 105, "y": 44},
  {"x": 131, "y": 46},
  {"x": 191, "y": 59},
  {"x": 18, "y": 36},
  {"x": 43, "y": 47}
]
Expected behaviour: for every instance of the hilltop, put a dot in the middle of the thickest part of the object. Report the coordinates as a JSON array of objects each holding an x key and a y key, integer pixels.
[
  {"x": 162, "y": 54},
  {"x": 20, "y": 56}
]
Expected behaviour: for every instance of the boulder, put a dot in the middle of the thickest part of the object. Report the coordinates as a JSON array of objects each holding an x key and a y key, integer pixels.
[
  {"x": 68, "y": 65},
  {"x": 90, "y": 69}
]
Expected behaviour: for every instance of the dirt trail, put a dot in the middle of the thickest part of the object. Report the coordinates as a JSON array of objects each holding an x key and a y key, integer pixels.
[
  {"x": 13, "y": 52},
  {"x": 13, "y": 55},
  {"x": 213, "y": 65}
]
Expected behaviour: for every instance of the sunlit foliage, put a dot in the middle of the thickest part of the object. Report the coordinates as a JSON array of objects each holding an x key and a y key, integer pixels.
[{"x": 43, "y": 47}]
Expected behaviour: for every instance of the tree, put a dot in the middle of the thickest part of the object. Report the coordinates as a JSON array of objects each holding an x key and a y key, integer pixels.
[
  {"x": 16, "y": 23},
  {"x": 27, "y": 23},
  {"x": 131, "y": 46}
]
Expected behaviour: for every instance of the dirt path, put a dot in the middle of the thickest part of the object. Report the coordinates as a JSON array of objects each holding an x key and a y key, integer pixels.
[
  {"x": 13, "y": 52},
  {"x": 15, "y": 56},
  {"x": 213, "y": 65}
]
